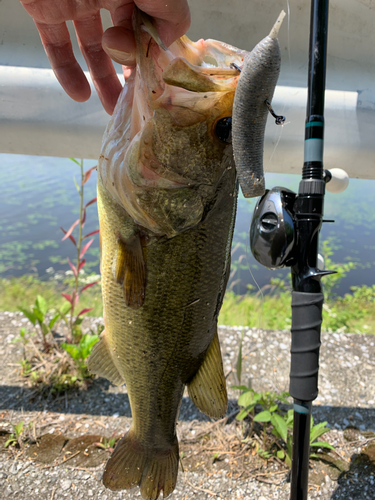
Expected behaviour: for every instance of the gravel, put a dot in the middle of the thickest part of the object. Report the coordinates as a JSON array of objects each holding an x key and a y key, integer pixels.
[
  {"x": 346, "y": 399},
  {"x": 38, "y": 484}
]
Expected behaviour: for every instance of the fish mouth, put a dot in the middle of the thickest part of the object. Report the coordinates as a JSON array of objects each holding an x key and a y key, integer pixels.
[
  {"x": 164, "y": 76},
  {"x": 202, "y": 66},
  {"x": 192, "y": 81},
  {"x": 181, "y": 73}
]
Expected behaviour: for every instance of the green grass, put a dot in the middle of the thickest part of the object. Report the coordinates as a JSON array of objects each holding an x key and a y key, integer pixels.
[
  {"x": 22, "y": 292},
  {"x": 355, "y": 312},
  {"x": 272, "y": 312}
]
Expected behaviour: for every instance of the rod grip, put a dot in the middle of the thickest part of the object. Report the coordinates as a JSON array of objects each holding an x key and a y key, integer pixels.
[{"x": 306, "y": 326}]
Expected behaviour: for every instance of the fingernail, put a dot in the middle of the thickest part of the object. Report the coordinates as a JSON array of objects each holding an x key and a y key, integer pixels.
[{"x": 119, "y": 55}]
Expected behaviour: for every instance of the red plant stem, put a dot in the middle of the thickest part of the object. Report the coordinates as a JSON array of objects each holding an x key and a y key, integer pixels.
[{"x": 79, "y": 244}]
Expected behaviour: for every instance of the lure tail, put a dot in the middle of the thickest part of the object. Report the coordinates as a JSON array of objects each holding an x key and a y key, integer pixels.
[
  {"x": 132, "y": 464},
  {"x": 256, "y": 85}
]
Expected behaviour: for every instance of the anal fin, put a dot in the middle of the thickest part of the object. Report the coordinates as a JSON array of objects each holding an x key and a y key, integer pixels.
[
  {"x": 208, "y": 389},
  {"x": 101, "y": 363},
  {"x": 130, "y": 270}
]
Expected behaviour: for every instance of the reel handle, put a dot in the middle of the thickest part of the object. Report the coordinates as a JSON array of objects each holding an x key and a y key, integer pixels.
[{"x": 337, "y": 180}]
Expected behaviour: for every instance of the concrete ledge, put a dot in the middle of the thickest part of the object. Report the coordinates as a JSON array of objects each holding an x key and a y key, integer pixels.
[{"x": 38, "y": 118}]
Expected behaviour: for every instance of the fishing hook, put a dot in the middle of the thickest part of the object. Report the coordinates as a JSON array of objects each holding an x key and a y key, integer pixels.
[
  {"x": 279, "y": 119},
  {"x": 235, "y": 66}
]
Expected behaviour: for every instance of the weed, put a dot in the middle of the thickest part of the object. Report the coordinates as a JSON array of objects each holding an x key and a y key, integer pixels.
[
  {"x": 271, "y": 412},
  {"x": 26, "y": 367},
  {"x": 75, "y": 321},
  {"x": 81, "y": 351},
  {"x": 107, "y": 444},
  {"x": 37, "y": 315},
  {"x": 315, "y": 432},
  {"x": 63, "y": 383},
  {"x": 24, "y": 340},
  {"x": 16, "y": 437},
  {"x": 277, "y": 432},
  {"x": 62, "y": 365},
  {"x": 54, "y": 373}
]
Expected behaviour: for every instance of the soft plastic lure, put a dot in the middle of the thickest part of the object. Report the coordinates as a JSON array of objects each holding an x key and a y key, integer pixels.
[{"x": 256, "y": 85}]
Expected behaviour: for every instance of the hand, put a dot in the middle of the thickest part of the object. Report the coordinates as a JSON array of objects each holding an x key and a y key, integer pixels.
[{"x": 171, "y": 19}]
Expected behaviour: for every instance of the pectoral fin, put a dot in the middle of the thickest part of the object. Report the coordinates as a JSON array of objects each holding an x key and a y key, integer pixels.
[
  {"x": 130, "y": 271},
  {"x": 101, "y": 363},
  {"x": 207, "y": 389}
]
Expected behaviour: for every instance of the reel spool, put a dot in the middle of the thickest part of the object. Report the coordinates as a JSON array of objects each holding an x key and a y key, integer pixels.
[{"x": 273, "y": 226}]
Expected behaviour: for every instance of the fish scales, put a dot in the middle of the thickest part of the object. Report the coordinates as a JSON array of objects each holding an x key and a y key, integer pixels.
[
  {"x": 167, "y": 195},
  {"x": 171, "y": 333}
]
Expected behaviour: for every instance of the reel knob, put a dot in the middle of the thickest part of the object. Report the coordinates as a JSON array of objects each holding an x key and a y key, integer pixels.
[{"x": 339, "y": 180}]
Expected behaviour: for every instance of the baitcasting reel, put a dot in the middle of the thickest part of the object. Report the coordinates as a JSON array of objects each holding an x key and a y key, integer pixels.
[{"x": 273, "y": 231}]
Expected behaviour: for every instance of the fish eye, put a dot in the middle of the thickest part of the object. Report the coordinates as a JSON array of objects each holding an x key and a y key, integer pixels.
[{"x": 223, "y": 129}]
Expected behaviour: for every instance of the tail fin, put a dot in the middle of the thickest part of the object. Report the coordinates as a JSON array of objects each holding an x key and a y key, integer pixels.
[{"x": 132, "y": 464}]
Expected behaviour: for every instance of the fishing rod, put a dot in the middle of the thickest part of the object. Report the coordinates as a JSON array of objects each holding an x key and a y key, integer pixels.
[
  {"x": 285, "y": 226},
  {"x": 307, "y": 295},
  {"x": 285, "y": 232}
]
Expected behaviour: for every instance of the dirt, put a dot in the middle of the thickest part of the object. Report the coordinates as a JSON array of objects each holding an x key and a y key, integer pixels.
[{"x": 60, "y": 457}]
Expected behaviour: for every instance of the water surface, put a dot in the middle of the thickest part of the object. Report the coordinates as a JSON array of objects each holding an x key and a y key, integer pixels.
[{"x": 39, "y": 196}]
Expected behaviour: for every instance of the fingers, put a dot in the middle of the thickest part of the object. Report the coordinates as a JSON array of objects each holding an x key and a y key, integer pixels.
[
  {"x": 118, "y": 41},
  {"x": 119, "y": 44},
  {"x": 127, "y": 71},
  {"x": 171, "y": 18},
  {"x": 89, "y": 34},
  {"x": 58, "y": 47}
]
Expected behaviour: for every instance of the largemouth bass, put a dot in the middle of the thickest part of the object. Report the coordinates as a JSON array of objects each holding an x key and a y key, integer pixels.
[{"x": 167, "y": 201}]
